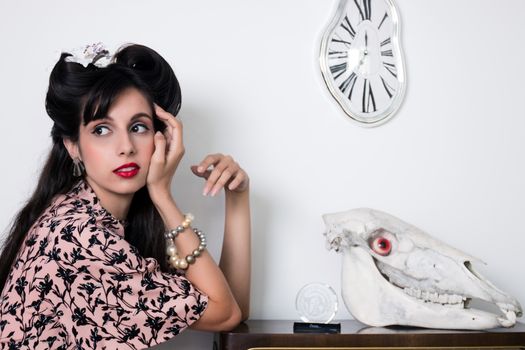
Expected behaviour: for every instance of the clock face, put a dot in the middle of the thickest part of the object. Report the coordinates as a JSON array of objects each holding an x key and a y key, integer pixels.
[{"x": 361, "y": 60}]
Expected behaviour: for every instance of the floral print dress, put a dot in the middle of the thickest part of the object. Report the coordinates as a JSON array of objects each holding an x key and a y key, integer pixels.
[{"x": 76, "y": 283}]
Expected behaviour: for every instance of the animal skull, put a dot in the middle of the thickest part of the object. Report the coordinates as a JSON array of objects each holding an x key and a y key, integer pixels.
[{"x": 396, "y": 274}]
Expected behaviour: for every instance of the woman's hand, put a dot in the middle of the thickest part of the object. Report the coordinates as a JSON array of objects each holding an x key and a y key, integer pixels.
[
  {"x": 225, "y": 173},
  {"x": 169, "y": 150}
]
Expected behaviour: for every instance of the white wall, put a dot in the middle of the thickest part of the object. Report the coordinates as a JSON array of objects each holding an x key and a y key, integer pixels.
[{"x": 450, "y": 161}]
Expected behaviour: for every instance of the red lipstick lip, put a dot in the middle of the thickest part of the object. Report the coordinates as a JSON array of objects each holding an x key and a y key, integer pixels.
[
  {"x": 127, "y": 174},
  {"x": 129, "y": 165}
]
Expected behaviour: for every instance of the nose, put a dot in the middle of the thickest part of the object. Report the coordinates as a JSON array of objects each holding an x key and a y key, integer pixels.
[{"x": 126, "y": 146}]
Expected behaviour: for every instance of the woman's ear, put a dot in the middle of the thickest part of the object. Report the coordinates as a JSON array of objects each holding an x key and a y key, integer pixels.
[{"x": 71, "y": 147}]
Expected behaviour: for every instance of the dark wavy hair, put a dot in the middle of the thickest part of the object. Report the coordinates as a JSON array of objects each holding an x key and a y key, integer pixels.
[{"x": 79, "y": 94}]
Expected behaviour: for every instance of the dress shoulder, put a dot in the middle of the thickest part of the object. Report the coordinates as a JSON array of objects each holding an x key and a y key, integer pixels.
[{"x": 78, "y": 282}]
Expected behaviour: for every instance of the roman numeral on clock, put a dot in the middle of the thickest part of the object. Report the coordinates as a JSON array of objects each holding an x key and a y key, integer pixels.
[
  {"x": 337, "y": 54},
  {"x": 382, "y": 21},
  {"x": 389, "y": 89},
  {"x": 391, "y": 68},
  {"x": 339, "y": 40},
  {"x": 385, "y": 42},
  {"x": 387, "y": 53},
  {"x": 368, "y": 97},
  {"x": 366, "y": 10},
  {"x": 348, "y": 83},
  {"x": 338, "y": 69},
  {"x": 346, "y": 25}
]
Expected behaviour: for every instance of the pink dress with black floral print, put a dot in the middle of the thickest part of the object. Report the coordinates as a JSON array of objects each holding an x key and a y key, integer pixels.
[{"x": 78, "y": 284}]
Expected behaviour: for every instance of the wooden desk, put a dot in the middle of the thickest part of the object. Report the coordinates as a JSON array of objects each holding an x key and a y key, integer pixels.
[{"x": 277, "y": 335}]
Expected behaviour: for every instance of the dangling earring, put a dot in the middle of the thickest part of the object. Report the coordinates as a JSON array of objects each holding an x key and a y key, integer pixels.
[{"x": 78, "y": 167}]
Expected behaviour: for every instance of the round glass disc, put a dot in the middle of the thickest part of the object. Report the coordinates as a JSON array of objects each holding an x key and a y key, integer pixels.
[{"x": 316, "y": 302}]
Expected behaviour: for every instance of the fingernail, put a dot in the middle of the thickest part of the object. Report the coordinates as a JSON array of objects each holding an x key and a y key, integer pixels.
[
  {"x": 200, "y": 169},
  {"x": 205, "y": 192},
  {"x": 213, "y": 193}
]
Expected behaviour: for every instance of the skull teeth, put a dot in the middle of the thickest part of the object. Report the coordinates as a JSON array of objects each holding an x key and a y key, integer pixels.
[
  {"x": 509, "y": 320},
  {"x": 445, "y": 299},
  {"x": 511, "y": 312},
  {"x": 457, "y": 301}
]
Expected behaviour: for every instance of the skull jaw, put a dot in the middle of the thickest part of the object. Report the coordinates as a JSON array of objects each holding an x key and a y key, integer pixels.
[{"x": 374, "y": 301}]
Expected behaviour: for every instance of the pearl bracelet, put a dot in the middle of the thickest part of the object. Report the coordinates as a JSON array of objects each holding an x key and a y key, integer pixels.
[
  {"x": 172, "y": 234},
  {"x": 171, "y": 250}
]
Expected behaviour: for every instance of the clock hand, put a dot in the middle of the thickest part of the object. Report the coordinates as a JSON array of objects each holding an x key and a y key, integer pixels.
[{"x": 366, "y": 43}]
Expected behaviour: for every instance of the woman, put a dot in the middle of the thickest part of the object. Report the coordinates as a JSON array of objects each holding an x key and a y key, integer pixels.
[{"x": 101, "y": 256}]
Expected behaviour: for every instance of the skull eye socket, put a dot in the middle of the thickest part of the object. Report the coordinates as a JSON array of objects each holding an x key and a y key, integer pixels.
[{"x": 381, "y": 245}]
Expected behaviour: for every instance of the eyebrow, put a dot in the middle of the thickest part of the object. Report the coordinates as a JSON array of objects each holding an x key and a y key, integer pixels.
[{"x": 135, "y": 116}]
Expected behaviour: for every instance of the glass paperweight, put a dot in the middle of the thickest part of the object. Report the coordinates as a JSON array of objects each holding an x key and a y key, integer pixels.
[{"x": 316, "y": 302}]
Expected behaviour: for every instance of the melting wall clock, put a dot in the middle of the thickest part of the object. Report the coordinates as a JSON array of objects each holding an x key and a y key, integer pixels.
[{"x": 362, "y": 62}]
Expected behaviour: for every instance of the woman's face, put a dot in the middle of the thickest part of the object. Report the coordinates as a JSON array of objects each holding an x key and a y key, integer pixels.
[{"x": 117, "y": 150}]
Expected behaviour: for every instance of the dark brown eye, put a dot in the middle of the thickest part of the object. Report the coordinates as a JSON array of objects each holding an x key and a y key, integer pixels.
[
  {"x": 100, "y": 130},
  {"x": 140, "y": 128},
  {"x": 381, "y": 245}
]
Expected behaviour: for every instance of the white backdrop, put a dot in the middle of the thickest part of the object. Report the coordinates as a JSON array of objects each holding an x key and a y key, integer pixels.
[{"x": 450, "y": 161}]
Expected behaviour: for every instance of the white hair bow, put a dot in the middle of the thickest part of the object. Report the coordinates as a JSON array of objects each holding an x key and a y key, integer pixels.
[{"x": 95, "y": 53}]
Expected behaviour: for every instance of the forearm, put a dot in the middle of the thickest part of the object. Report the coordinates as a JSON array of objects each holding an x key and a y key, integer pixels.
[
  {"x": 204, "y": 274},
  {"x": 235, "y": 260}
]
